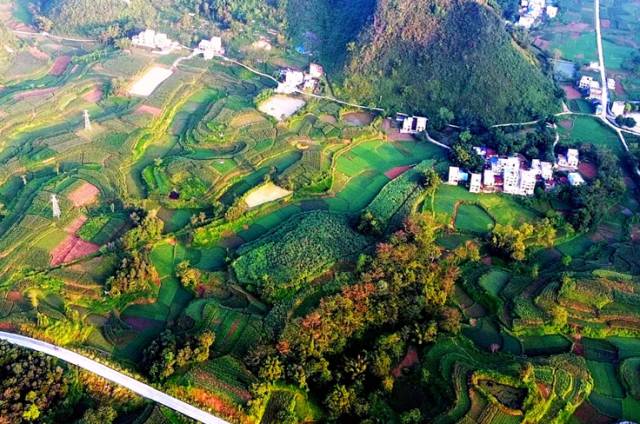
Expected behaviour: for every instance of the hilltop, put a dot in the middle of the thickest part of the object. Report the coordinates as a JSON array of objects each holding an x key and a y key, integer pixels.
[{"x": 420, "y": 56}]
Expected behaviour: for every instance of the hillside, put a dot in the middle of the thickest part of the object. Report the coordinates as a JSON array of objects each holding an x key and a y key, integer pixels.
[
  {"x": 92, "y": 16},
  {"x": 8, "y": 42},
  {"x": 452, "y": 53}
]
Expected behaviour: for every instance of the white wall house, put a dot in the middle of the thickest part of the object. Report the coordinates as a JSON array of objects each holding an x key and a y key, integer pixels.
[
  {"x": 211, "y": 48},
  {"x": 454, "y": 175},
  {"x": 575, "y": 179},
  {"x": 617, "y": 108},
  {"x": 152, "y": 40},
  {"x": 475, "y": 183},
  {"x": 414, "y": 125},
  {"x": 316, "y": 71}
]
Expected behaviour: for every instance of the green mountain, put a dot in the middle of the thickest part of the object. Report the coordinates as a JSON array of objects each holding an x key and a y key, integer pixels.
[
  {"x": 421, "y": 55},
  {"x": 90, "y": 17}
]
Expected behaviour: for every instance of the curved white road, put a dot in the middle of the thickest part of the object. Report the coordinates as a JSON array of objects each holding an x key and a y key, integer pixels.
[{"x": 132, "y": 384}]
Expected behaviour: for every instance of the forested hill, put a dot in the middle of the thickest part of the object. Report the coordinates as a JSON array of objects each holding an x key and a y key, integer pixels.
[
  {"x": 91, "y": 17},
  {"x": 421, "y": 55},
  {"x": 326, "y": 27}
]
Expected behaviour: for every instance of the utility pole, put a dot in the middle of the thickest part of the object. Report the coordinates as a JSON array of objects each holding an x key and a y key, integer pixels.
[{"x": 87, "y": 121}]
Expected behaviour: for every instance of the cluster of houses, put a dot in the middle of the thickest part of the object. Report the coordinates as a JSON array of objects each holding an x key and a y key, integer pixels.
[
  {"x": 532, "y": 12},
  {"x": 292, "y": 80},
  {"x": 210, "y": 48},
  {"x": 157, "y": 41},
  {"x": 512, "y": 175}
]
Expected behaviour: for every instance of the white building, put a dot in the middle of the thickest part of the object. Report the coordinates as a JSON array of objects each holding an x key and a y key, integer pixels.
[
  {"x": 546, "y": 170},
  {"x": 617, "y": 108},
  {"x": 519, "y": 181},
  {"x": 211, "y": 48},
  {"x": 575, "y": 179},
  {"x": 571, "y": 160},
  {"x": 454, "y": 175},
  {"x": 316, "y": 71},
  {"x": 526, "y": 21},
  {"x": 489, "y": 178},
  {"x": 475, "y": 184},
  {"x": 611, "y": 84},
  {"x": 594, "y": 65},
  {"x": 152, "y": 40},
  {"x": 585, "y": 82},
  {"x": 414, "y": 125},
  {"x": 292, "y": 80},
  {"x": 552, "y": 11}
]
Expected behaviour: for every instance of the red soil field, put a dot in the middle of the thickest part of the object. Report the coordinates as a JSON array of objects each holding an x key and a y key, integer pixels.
[
  {"x": 149, "y": 109},
  {"x": 76, "y": 224},
  {"x": 34, "y": 93},
  {"x": 93, "y": 96},
  {"x": 394, "y": 134},
  {"x": 84, "y": 195},
  {"x": 14, "y": 296},
  {"x": 70, "y": 249},
  {"x": 60, "y": 65},
  {"x": 588, "y": 170},
  {"x": 605, "y": 23},
  {"x": 541, "y": 43},
  {"x": 566, "y": 124},
  {"x": 394, "y": 173},
  {"x": 38, "y": 54},
  {"x": 575, "y": 27},
  {"x": 410, "y": 359},
  {"x": 571, "y": 92},
  {"x": 139, "y": 323}
]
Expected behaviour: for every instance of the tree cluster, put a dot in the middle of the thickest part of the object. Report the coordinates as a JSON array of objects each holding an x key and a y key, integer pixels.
[
  {"x": 31, "y": 384},
  {"x": 349, "y": 346},
  {"x": 170, "y": 351},
  {"x": 135, "y": 274},
  {"x": 589, "y": 202},
  {"x": 515, "y": 243}
]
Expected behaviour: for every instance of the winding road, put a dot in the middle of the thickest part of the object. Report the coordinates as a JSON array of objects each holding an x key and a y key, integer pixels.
[{"x": 110, "y": 374}]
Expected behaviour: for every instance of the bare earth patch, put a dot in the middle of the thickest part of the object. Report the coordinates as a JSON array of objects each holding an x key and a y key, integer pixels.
[
  {"x": 567, "y": 124},
  {"x": 280, "y": 106},
  {"x": 394, "y": 134},
  {"x": 264, "y": 194},
  {"x": 60, "y": 65},
  {"x": 571, "y": 92},
  {"x": 394, "y": 173},
  {"x": 149, "y": 109},
  {"x": 71, "y": 249},
  {"x": 93, "y": 96},
  {"x": 76, "y": 224},
  {"x": 410, "y": 359},
  {"x": 37, "y": 53},
  {"x": 541, "y": 43},
  {"x": 39, "y": 92},
  {"x": 84, "y": 195},
  {"x": 588, "y": 170}
]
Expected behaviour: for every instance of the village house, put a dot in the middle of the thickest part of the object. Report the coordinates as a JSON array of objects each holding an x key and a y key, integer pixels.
[
  {"x": 414, "y": 125},
  {"x": 153, "y": 40},
  {"x": 617, "y": 108},
  {"x": 456, "y": 176},
  {"x": 569, "y": 161},
  {"x": 475, "y": 184},
  {"x": 210, "y": 48},
  {"x": 531, "y": 11},
  {"x": 611, "y": 84},
  {"x": 316, "y": 71},
  {"x": 552, "y": 11},
  {"x": 489, "y": 179},
  {"x": 575, "y": 179}
]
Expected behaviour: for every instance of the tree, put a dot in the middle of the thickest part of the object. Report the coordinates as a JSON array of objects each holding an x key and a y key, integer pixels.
[
  {"x": 103, "y": 415},
  {"x": 43, "y": 23},
  {"x": 516, "y": 242},
  {"x": 340, "y": 400},
  {"x": 189, "y": 277},
  {"x": 430, "y": 181},
  {"x": 271, "y": 370}
]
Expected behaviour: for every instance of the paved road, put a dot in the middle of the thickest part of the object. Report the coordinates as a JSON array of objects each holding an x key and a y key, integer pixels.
[
  {"x": 603, "y": 72},
  {"x": 112, "y": 375},
  {"x": 54, "y": 37}
]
